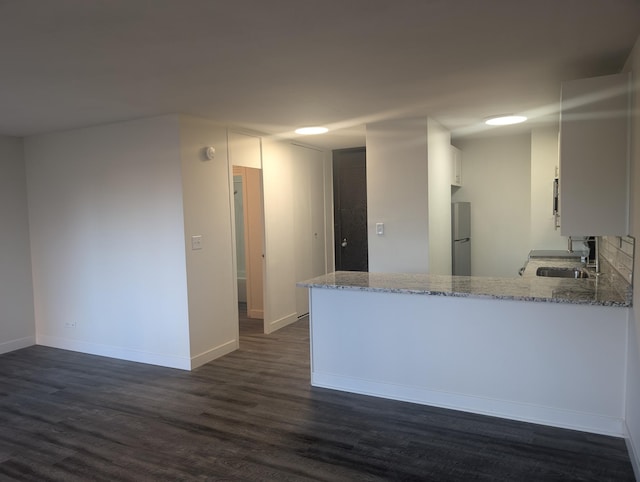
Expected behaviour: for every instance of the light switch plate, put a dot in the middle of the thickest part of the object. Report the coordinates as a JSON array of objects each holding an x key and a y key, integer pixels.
[
  {"x": 196, "y": 242},
  {"x": 379, "y": 229}
]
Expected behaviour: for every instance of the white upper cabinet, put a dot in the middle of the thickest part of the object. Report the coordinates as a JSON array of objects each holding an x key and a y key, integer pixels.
[
  {"x": 594, "y": 159},
  {"x": 456, "y": 166}
]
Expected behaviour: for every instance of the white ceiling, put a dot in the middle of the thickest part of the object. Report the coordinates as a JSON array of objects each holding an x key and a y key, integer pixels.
[{"x": 273, "y": 65}]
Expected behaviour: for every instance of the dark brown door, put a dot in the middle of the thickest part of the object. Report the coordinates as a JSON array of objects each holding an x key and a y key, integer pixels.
[{"x": 350, "y": 209}]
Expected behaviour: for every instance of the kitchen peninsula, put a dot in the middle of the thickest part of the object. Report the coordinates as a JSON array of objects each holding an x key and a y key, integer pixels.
[{"x": 542, "y": 350}]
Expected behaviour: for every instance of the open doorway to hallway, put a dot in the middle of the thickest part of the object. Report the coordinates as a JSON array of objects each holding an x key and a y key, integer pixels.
[
  {"x": 248, "y": 326},
  {"x": 247, "y": 189}
]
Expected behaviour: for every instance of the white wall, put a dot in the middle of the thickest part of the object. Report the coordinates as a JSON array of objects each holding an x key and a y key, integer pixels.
[
  {"x": 244, "y": 149},
  {"x": 497, "y": 181},
  {"x": 207, "y": 198},
  {"x": 107, "y": 240},
  {"x": 440, "y": 172},
  {"x": 544, "y": 160},
  {"x": 397, "y": 195},
  {"x": 633, "y": 354},
  {"x": 17, "y": 324},
  {"x": 280, "y": 266}
]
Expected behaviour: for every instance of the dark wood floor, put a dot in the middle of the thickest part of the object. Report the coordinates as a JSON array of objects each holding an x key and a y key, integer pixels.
[{"x": 252, "y": 415}]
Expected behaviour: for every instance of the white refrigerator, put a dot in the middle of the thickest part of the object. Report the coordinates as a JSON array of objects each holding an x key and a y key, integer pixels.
[{"x": 461, "y": 239}]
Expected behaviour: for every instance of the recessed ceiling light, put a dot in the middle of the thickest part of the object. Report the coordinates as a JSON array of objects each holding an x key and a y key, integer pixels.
[
  {"x": 505, "y": 120},
  {"x": 312, "y": 130}
]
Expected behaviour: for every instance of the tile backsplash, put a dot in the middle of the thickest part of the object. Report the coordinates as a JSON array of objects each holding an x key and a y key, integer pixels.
[
  {"x": 616, "y": 253},
  {"x": 616, "y": 262}
]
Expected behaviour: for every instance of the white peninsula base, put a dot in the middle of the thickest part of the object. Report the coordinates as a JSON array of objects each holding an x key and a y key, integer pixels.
[{"x": 558, "y": 364}]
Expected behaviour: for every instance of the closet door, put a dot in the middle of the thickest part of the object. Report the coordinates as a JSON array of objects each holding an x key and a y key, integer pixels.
[{"x": 309, "y": 219}]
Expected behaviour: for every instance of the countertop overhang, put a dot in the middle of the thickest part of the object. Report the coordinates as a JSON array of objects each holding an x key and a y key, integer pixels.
[{"x": 592, "y": 291}]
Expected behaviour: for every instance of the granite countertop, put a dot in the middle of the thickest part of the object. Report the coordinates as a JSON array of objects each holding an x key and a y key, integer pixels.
[{"x": 592, "y": 291}]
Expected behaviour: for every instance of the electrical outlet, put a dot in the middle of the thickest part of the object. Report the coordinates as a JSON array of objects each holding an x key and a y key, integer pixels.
[
  {"x": 196, "y": 242},
  {"x": 70, "y": 324}
]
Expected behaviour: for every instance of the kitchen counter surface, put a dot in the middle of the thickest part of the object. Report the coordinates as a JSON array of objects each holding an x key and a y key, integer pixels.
[{"x": 592, "y": 291}]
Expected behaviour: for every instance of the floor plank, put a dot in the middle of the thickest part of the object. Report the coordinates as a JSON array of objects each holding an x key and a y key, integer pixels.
[{"x": 252, "y": 415}]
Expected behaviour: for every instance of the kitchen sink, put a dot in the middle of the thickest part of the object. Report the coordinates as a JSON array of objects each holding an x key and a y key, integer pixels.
[{"x": 555, "y": 272}]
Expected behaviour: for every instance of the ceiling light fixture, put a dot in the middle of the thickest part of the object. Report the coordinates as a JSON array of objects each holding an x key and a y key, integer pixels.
[
  {"x": 505, "y": 120},
  {"x": 312, "y": 130}
]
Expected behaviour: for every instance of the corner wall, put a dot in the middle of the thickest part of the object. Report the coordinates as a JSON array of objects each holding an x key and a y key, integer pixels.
[
  {"x": 206, "y": 195},
  {"x": 17, "y": 324},
  {"x": 107, "y": 241},
  {"x": 440, "y": 173}
]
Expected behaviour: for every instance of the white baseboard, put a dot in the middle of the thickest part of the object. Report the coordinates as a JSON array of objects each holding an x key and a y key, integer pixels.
[
  {"x": 634, "y": 454},
  {"x": 214, "y": 353},
  {"x": 182, "y": 363},
  {"x": 13, "y": 345},
  {"x": 585, "y": 422},
  {"x": 282, "y": 322},
  {"x": 256, "y": 314}
]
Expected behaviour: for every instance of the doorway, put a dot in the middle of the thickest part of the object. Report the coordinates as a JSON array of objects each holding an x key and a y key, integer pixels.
[
  {"x": 350, "y": 209},
  {"x": 247, "y": 189}
]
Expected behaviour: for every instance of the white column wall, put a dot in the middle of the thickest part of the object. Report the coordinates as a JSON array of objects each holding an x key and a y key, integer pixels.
[
  {"x": 397, "y": 195},
  {"x": 497, "y": 182},
  {"x": 17, "y": 324},
  {"x": 440, "y": 172},
  {"x": 207, "y": 197},
  {"x": 107, "y": 241}
]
